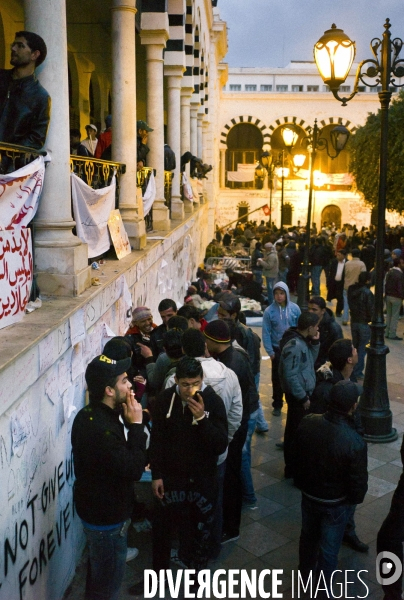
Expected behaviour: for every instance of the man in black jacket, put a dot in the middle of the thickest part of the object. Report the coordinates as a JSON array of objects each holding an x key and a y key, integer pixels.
[
  {"x": 329, "y": 329},
  {"x": 335, "y": 280},
  {"x": 167, "y": 309},
  {"x": 361, "y": 302},
  {"x": 109, "y": 456},
  {"x": 331, "y": 471},
  {"x": 24, "y": 103},
  {"x": 189, "y": 432},
  {"x": 218, "y": 341}
]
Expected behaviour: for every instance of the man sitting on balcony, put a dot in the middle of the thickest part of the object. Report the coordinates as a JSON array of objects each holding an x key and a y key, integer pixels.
[{"x": 24, "y": 103}]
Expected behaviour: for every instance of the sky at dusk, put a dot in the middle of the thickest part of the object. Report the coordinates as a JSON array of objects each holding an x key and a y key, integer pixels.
[{"x": 271, "y": 33}]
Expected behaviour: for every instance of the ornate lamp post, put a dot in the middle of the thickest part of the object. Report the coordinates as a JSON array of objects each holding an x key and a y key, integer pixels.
[
  {"x": 334, "y": 54},
  {"x": 267, "y": 163},
  {"x": 313, "y": 142}
]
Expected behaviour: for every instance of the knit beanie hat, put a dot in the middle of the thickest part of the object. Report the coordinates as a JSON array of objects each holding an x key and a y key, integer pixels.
[
  {"x": 343, "y": 395},
  {"x": 217, "y": 331},
  {"x": 140, "y": 313},
  {"x": 397, "y": 252}
]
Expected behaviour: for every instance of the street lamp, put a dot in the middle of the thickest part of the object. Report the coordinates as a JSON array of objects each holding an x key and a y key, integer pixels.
[
  {"x": 267, "y": 162},
  {"x": 334, "y": 54},
  {"x": 314, "y": 143}
]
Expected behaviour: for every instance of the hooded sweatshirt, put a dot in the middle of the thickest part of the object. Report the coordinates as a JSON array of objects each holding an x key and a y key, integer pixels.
[
  {"x": 278, "y": 319},
  {"x": 225, "y": 383}
]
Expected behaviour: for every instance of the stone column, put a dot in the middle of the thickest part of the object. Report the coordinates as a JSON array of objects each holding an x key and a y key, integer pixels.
[
  {"x": 61, "y": 259},
  {"x": 199, "y": 134},
  {"x": 155, "y": 40},
  {"x": 124, "y": 143},
  {"x": 194, "y": 127},
  {"x": 186, "y": 93},
  {"x": 205, "y": 142},
  {"x": 174, "y": 78}
]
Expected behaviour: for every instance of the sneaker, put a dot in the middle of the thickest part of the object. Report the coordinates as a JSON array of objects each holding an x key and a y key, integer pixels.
[
  {"x": 226, "y": 538},
  {"x": 276, "y": 412},
  {"x": 280, "y": 445},
  {"x": 131, "y": 553},
  {"x": 261, "y": 430},
  {"x": 176, "y": 559},
  {"x": 250, "y": 504},
  {"x": 345, "y": 322},
  {"x": 354, "y": 542},
  {"x": 395, "y": 338}
]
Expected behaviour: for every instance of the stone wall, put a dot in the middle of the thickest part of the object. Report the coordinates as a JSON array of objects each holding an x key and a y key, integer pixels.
[{"x": 41, "y": 391}]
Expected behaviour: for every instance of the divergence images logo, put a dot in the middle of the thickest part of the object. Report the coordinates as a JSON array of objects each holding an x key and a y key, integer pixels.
[{"x": 388, "y": 568}]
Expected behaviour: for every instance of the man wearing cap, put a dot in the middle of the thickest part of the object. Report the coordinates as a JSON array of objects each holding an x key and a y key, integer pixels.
[
  {"x": 331, "y": 471},
  {"x": 103, "y": 149},
  {"x": 142, "y": 149},
  {"x": 90, "y": 142},
  {"x": 107, "y": 462},
  {"x": 218, "y": 341}
]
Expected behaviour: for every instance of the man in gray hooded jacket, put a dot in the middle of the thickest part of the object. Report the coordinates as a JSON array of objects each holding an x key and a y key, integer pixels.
[{"x": 299, "y": 349}]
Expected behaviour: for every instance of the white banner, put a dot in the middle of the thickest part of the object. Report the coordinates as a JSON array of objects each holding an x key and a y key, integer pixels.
[
  {"x": 19, "y": 194},
  {"x": 15, "y": 274},
  {"x": 91, "y": 209},
  {"x": 149, "y": 195}
]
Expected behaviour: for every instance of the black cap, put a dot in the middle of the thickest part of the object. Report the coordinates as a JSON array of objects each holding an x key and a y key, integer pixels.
[
  {"x": 344, "y": 395},
  {"x": 144, "y": 125},
  {"x": 102, "y": 369}
]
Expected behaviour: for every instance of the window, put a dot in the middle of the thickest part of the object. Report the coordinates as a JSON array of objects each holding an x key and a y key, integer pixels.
[
  {"x": 266, "y": 88},
  {"x": 287, "y": 213},
  {"x": 250, "y": 88},
  {"x": 235, "y": 87},
  {"x": 297, "y": 88},
  {"x": 361, "y": 88},
  {"x": 281, "y": 88},
  {"x": 312, "y": 88},
  {"x": 392, "y": 88},
  {"x": 345, "y": 88},
  {"x": 326, "y": 88}
]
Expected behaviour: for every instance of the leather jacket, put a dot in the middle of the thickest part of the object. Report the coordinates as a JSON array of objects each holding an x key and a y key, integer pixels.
[
  {"x": 24, "y": 110},
  {"x": 331, "y": 458}
]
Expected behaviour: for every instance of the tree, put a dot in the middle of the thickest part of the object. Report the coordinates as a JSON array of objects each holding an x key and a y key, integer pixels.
[{"x": 365, "y": 154}]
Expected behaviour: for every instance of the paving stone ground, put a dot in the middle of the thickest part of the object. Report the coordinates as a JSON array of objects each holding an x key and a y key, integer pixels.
[{"x": 270, "y": 533}]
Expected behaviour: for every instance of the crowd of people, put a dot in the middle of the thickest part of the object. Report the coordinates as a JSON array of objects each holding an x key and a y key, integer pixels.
[{"x": 182, "y": 400}]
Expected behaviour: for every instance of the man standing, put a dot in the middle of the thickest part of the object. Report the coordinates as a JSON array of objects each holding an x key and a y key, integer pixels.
[
  {"x": 278, "y": 317},
  {"x": 107, "y": 462},
  {"x": 329, "y": 329},
  {"x": 167, "y": 309},
  {"x": 142, "y": 148},
  {"x": 352, "y": 270},
  {"x": 189, "y": 432},
  {"x": 298, "y": 378},
  {"x": 90, "y": 142},
  {"x": 270, "y": 267},
  {"x": 24, "y": 103},
  {"x": 394, "y": 290},
  {"x": 361, "y": 301},
  {"x": 335, "y": 280},
  {"x": 104, "y": 144},
  {"x": 331, "y": 471}
]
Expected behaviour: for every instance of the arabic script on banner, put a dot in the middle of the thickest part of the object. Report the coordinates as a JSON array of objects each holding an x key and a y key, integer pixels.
[{"x": 15, "y": 274}]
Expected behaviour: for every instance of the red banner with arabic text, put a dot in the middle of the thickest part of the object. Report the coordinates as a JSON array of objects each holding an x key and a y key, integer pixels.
[{"x": 15, "y": 274}]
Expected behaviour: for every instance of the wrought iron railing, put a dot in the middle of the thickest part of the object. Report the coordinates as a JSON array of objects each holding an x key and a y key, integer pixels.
[
  {"x": 97, "y": 173},
  {"x": 168, "y": 186},
  {"x": 143, "y": 175},
  {"x": 13, "y": 157}
]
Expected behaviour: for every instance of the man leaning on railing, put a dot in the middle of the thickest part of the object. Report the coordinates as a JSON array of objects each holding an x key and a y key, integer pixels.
[{"x": 24, "y": 103}]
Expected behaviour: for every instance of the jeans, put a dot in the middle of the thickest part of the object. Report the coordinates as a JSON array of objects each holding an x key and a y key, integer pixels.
[
  {"x": 246, "y": 479},
  {"x": 295, "y": 414},
  {"x": 106, "y": 562},
  {"x": 360, "y": 338},
  {"x": 345, "y": 314},
  {"x": 323, "y": 527},
  {"x": 270, "y": 286},
  {"x": 283, "y": 275},
  {"x": 232, "y": 493},
  {"x": 217, "y": 523},
  {"x": 315, "y": 279},
  {"x": 257, "y": 273},
  {"x": 393, "y": 306},
  {"x": 262, "y": 424}
]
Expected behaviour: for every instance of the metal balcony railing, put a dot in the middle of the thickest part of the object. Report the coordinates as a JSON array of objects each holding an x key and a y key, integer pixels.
[
  {"x": 97, "y": 173},
  {"x": 13, "y": 157},
  {"x": 143, "y": 175}
]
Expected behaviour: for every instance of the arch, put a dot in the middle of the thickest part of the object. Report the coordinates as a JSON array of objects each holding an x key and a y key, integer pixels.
[
  {"x": 287, "y": 213},
  {"x": 243, "y": 208},
  {"x": 308, "y": 126},
  {"x": 246, "y": 119},
  {"x": 95, "y": 100},
  {"x": 331, "y": 214}
]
